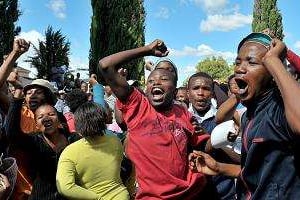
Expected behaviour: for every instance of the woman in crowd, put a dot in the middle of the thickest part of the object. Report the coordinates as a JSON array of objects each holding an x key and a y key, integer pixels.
[
  {"x": 21, "y": 121},
  {"x": 44, "y": 148},
  {"x": 270, "y": 127},
  {"x": 96, "y": 173}
]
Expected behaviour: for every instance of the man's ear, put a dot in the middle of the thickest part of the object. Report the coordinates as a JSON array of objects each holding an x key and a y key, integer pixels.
[
  {"x": 188, "y": 93},
  {"x": 175, "y": 93}
]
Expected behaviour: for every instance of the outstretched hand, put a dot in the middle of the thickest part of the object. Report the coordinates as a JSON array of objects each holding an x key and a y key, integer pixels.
[
  {"x": 203, "y": 163},
  {"x": 20, "y": 46},
  {"x": 158, "y": 48}
]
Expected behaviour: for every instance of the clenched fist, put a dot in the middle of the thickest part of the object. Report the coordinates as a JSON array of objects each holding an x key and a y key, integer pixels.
[{"x": 20, "y": 46}]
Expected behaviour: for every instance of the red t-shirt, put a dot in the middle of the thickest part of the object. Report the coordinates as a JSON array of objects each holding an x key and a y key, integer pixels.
[{"x": 157, "y": 145}]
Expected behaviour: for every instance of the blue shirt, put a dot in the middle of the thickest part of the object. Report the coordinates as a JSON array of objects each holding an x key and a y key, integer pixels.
[{"x": 270, "y": 164}]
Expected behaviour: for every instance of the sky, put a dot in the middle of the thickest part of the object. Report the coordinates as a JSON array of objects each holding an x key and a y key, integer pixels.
[{"x": 191, "y": 29}]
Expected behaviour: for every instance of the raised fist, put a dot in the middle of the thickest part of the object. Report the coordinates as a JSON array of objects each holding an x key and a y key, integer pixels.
[
  {"x": 158, "y": 48},
  {"x": 13, "y": 78},
  {"x": 20, "y": 46},
  {"x": 123, "y": 72}
]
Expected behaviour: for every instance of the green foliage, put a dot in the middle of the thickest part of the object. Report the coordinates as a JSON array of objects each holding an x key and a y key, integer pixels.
[
  {"x": 218, "y": 68},
  {"x": 53, "y": 52},
  {"x": 117, "y": 26},
  {"x": 9, "y": 14},
  {"x": 267, "y": 15}
]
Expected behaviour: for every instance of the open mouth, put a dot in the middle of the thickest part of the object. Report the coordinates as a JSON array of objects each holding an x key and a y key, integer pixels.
[
  {"x": 201, "y": 103},
  {"x": 47, "y": 124},
  {"x": 157, "y": 93},
  {"x": 242, "y": 85},
  {"x": 33, "y": 104}
]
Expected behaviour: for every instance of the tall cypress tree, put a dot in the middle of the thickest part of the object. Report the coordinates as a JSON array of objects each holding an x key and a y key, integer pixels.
[
  {"x": 9, "y": 14},
  {"x": 267, "y": 15},
  {"x": 117, "y": 26}
]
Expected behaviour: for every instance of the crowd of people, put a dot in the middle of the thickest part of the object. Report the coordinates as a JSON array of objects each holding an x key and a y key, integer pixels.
[{"x": 121, "y": 141}]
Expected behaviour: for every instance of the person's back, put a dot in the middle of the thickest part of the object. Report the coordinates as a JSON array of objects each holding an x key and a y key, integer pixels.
[
  {"x": 98, "y": 168},
  {"x": 90, "y": 168}
]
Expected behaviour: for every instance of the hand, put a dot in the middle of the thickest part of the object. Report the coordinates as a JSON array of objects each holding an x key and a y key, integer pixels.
[
  {"x": 93, "y": 79},
  {"x": 199, "y": 130},
  {"x": 269, "y": 32},
  {"x": 277, "y": 49},
  {"x": 20, "y": 46},
  {"x": 149, "y": 65},
  {"x": 13, "y": 76},
  {"x": 13, "y": 79},
  {"x": 123, "y": 72},
  {"x": 203, "y": 163},
  {"x": 158, "y": 48}
]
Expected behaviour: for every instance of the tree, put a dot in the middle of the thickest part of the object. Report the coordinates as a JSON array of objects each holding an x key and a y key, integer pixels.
[
  {"x": 9, "y": 14},
  {"x": 117, "y": 26},
  {"x": 218, "y": 68},
  {"x": 51, "y": 54},
  {"x": 266, "y": 15}
]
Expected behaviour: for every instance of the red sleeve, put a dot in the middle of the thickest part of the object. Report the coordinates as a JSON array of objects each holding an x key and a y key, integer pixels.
[
  {"x": 294, "y": 59},
  {"x": 134, "y": 108},
  {"x": 70, "y": 121}
]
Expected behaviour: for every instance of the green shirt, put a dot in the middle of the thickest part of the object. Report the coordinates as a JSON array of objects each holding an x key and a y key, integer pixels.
[{"x": 90, "y": 169}]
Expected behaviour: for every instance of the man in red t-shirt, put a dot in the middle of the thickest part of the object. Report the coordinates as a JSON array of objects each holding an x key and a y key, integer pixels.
[{"x": 160, "y": 131}]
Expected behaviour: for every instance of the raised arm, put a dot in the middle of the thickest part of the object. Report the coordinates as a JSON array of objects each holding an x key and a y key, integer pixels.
[
  {"x": 110, "y": 65},
  {"x": 227, "y": 110},
  {"x": 20, "y": 46},
  {"x": 98, "y": 90},
  {"x": 289, "y": 88}
]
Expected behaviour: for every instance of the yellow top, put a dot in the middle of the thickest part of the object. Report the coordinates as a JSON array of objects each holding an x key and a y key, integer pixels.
[{"x": 91, "y": 170}]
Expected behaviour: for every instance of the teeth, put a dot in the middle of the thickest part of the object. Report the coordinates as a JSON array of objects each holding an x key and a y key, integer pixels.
[
  {"x": 157, "y": 90},
  {"x": 242, "y": 91},
  {"x": 47, "y": 124}
]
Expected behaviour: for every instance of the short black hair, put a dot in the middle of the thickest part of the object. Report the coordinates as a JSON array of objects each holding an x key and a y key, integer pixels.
[
  {"x": 204, "y": 75},
  {"x": 75, "y": 98},
  {"x": 90, "y": 119},
  {"x": 181, "y": 88},
  {"x": 170, "y": 62}
]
